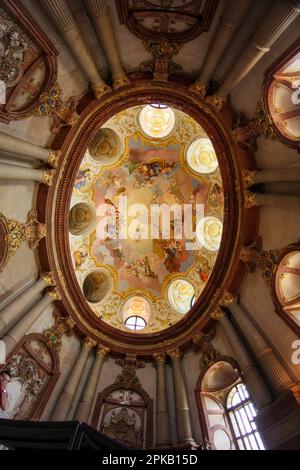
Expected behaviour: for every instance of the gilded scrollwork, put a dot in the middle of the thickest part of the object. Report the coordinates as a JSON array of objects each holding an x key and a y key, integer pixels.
[
  {"x": 62, "y": 325},
  {"x": 254, "y": 257}
]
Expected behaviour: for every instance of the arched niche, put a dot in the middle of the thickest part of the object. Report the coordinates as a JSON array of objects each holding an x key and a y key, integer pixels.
[
  {"x": 282, "y": 95},
  {"x": 125, "y": 413},
  {"x": 286, "y": 286},
  {"x": 82, "y": 218},
  {"x": 213, "y": 385},
  {"x": 106, "y": 146},
  {"x": 97, "y": 285},
  {"x": 34, "y": 368},
  {"x": 227, "y": 413}
]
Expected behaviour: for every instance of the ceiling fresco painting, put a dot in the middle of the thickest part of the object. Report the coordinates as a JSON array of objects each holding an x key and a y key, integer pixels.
[{"x": 149, "y": 166}]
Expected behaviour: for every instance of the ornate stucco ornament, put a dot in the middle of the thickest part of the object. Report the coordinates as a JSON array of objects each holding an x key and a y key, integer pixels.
[
  {"x": 15, "y": 233},
  {"x": 101, "y": 89},
  {"x": 129, "y": 364},
  {"x": 35, "y": 231},
  {"x": 15, "y": 237},
  {"x": 54, "y": 294},
  {"x": 162, "y": 52},
  {"x": 62, "y": 112},
  {"x": 199, "y": 88},
  {"x": 216, "y": 102},
  {"x": 47, "y": 177},
  {"x": 260, "y": 125},
  {"x": 54, "y": 156},
  {"x": 62, "y": 325},
  {"x": 249, "y": 199},
  {"x": 120, "y": 80},
  {"x": 248, "y": 177},
  {"x": 254, "y": 257}
]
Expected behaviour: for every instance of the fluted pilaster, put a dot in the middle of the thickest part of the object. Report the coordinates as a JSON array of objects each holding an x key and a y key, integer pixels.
[
  {"x": 282, "y": 201},
  {"x": 19, "y": 173},
  {"x": 289, "y": 174},
  {"x": 278, "y": 19},
  {"x": 183, "y": 421},
  {"x": 255, "y": 383},
  {"x": 162, "y": 414},
  {"x": 234, "y": 14},
  {"x": 18, "y": 307},
  {"x": 12, "y": 145},
  {"x": 63, "y": 19},
  {"x": 64, "y": 403},
  {"x": 277, "y": 375},
  {"x": 16, "y": 333},
  {"x": 99, "y": 13},
  {"x": 86, "y": 400}
]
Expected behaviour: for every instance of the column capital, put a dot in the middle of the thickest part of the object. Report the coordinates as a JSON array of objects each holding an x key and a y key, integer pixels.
[
  {"x": 174, "y": 353},
  {"x": 47, "y": 177},
  {"x": 228, "y": 299},
  {"x": 120, "y": 80},
  {"x": 54, "y": 294},
  {"x": 102, "y": 351},
  {"x": 101, "y": 89},
  {"x": 48, "y": 278},
  {"x": 216, "y": 102},
  {"x": 249, "y": 199},
  {"x": 160, "y": 358},
  {"x": 89, "y": 343},
  {"x": 248, "y": 177},
  {"x": 199, "y": 88},
  {"x": 217, "y": 314},
  {"x": 53, "y": 157}
]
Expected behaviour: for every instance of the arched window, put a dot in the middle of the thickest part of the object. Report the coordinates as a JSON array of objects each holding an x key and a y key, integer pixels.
[
  {"x": 241, "y": 413},
  {"x": 287, "y": 286},
  {"x": 282, "y": 95},
  {"x": 227, "y": 414}
]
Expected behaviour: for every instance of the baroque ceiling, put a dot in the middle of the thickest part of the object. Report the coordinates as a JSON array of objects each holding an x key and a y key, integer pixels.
[{"x": 141, "y": 170}]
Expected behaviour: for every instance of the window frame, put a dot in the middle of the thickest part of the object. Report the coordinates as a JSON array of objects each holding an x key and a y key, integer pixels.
[{"x": 271, "y": 82}]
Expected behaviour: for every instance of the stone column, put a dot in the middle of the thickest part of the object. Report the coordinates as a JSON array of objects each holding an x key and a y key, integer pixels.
[
  {"x": 234, "y": 14},
  {"x": 18, "y": 307},
  {"x": 254, "y": 381},
  {"x": 86, "y": 400},
  {"x": 15, "y": 146},
  {"x": 289, "y": 174},
  {"x": 16, "y": 333},
  {"x": 279, "y": 18},
  {"x": 183, "y": 422},
  {"x": 19, "y": 173},
  {"x": 63, "y": 19},
  {"x": 283, "y": 201},
  {"x": 277, "y": 375},
  {"x": 65, "y": 400},
  {"x": 99, "y": 13},
  {"x": 162, "y": 414}
]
